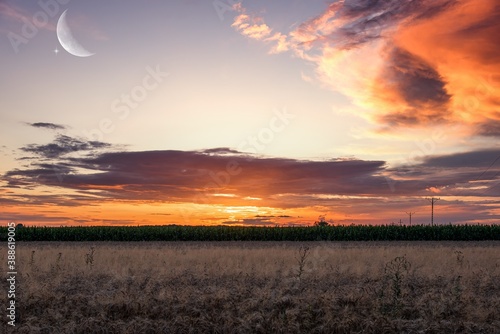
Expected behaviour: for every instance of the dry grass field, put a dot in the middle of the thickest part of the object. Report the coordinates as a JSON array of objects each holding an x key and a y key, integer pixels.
[{"x": 256, "y": 287}]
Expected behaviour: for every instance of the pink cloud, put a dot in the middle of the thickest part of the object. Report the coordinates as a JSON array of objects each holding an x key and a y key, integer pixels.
[
  {"x": 254, "y": 27},
  {"x": 18, "y": 15},
  {"x": 84, "y": 24},
  {"x": 79, "y": 22}
]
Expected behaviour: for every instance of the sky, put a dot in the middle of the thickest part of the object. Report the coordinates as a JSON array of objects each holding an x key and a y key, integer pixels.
[{"x": 254, "y": 113}]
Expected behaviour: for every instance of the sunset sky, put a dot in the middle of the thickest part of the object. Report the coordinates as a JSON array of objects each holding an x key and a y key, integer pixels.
[{"x": 250, "y": 113}]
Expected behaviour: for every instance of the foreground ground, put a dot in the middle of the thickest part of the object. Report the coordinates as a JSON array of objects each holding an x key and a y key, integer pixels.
[{"x": 256, "y": 287}]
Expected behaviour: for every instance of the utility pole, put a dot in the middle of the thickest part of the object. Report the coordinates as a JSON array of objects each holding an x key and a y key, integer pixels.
[
  {"x": 432, "y": 201},
  {"x": 410, "y": 214}
]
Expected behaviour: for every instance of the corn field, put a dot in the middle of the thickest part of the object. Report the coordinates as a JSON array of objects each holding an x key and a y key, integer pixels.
[{"x": 234, "y": 233}]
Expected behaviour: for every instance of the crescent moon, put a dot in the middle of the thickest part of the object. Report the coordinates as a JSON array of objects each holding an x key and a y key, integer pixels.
[{"x": 68, "y": 42}]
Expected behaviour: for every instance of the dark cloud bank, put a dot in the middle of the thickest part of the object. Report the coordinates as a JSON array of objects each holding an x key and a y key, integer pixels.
[{"x": 172, "y": 175}]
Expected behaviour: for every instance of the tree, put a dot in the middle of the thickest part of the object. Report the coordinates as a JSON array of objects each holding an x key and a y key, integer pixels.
[{"x": 322, "y": 221}]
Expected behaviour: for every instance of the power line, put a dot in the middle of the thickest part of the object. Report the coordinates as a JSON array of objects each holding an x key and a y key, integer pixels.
[
  {"x": 489, "y": 167},
  {"x": 432, "y": 201},
  {"x": 484, "y": 172},
  {"x": 492, "y": 186},
  {"x": 461, "y": 191},
  {"x": 410, "y": 214}
]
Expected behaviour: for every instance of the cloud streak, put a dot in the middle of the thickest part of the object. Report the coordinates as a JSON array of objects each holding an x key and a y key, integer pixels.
[
  {"x": 50, "y": 126},
  {"x": 62, "y": 145},
  {"x": 18, "y": 15},
  {"x": 254, "y": 27}
]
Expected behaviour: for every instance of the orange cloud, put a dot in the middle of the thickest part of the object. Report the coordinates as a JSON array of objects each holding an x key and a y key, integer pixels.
[
  {"x": 251, "y": 27},
  {"x": 434, "y": 190},
  {"x": 406, "y": 64},
  {"x": 254, "y": 27},
  {"x": 461, "y": 44}
]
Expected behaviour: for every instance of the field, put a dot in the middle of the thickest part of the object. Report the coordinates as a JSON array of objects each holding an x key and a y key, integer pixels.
[
  {"x": 241, "y": 233},
  {"x": 256, "y": 287}
]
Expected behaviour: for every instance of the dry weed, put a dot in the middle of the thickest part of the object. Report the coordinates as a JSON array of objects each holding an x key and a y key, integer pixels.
[{"x": 190, "y": 287}]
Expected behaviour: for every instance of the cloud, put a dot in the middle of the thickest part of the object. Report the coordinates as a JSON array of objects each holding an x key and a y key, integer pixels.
[
  {"x": 84, "y": 24},
  {"x": 55, "y": 219},
  {"x": 434, "y": 190},
  {"x": 220, "y": 150},
  {"x": 478, "y": 159},
  {"x": 180, "y": 175},
  {"x": 187, "y": 176},
  {"x": 21, "y": 17},
  {"x": 489, "y": 128},
  {"x": 80, "y": 173},
  {"x": 223, "y": 177},
  {"x": 50, "y": 126},
  {"x": 253, "y": 27},
  {"x": 16, "y": 14},
  {"x": 405, "y": 63},
  {"x": 474, "y": 173},
  {"x": 459, "y": 44},
  {"x": 416, "y": 87},
  {"x": 63, "y": 145},
  {"x": 280, "y": 216},
  {"x": 250, "y": 222},
  {"x": 227, "y": 177},
  {"x": 10, "y": 12}
]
